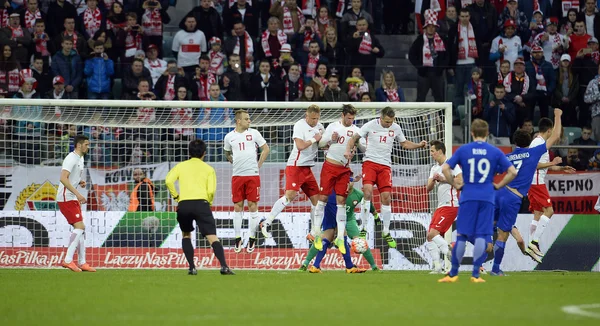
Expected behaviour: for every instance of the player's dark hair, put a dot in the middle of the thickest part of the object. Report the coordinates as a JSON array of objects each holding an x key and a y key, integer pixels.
[
  {"x": 479, "y": 128},
  {"x": 499, "y": 86},
  {"x": 348, "y": 109},
  {"x": 197, "y": 148},
  {"x": 438, "y": 145},
  {"x": 545, "y": 124},
  {"x": 526, "y": 120},
  {"x": 586, "y": 127},
  {"x": 313, "y": 42},
  {"x": 362, "y": 18},
  {"x": 388, "y": 112},
  {"x": 80, "y": 139},
  {"x": 522, "y": 138},
  {"x": 465, "y": 10},
  {"x": 334, "y": 76},
  {"x": 204, "y": 57}
]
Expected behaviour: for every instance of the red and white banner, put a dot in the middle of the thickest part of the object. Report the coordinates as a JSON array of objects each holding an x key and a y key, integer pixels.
[
  {"x": 574, "y": 193},
  {"x": 284, "y": 259}
]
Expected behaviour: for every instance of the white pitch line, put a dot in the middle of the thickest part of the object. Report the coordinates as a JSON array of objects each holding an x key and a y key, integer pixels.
[{"x": 579, "y": 310}]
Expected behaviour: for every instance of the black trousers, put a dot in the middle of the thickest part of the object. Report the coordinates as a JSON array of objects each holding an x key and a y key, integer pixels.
[{"x": 435, "y": 83}]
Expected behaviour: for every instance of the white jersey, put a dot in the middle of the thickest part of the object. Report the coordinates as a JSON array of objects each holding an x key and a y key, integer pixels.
[
  {"x": 74, "y": 164},
  {"x": 540, "y": 175},
  {"x": 338, "y": 148},
  {"x": 380, "y": 141},
  {"x": 244, "y": 147},
  {"x": 447, "y": 195},
  {"x": 189, "y": 46},
  {"x": 304, "y": 132}
]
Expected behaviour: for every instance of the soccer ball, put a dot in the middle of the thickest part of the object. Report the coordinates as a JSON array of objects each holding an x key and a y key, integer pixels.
[{"x": 359, "y": 245}]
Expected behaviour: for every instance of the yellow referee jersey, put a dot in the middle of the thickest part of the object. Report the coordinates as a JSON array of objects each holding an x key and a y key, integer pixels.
[{"x": 197, "y": 180}]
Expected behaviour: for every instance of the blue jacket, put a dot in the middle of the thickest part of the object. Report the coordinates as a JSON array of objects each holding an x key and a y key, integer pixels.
[
  {"x": 500, "y": 121},
  {"x": 547, "y": 71},
  {"x": 98, "y": 72},
  {"x": 68, "y": 67},
  {"x": 218, "y": 117},
  {"x": 382, "y": 97}
]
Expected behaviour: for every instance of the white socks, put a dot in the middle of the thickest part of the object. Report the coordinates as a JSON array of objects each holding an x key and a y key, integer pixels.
[
  {"x": 317, "y": 217},
  {"x": 340, "y": 218},
  {"x": 253, "y": 223},
  {"x": 365, "y": 211},
  {"x": 237, "y": 224},
  {"x": 542, "y": 223},
  {"x": 532, "y": 228},
  {"x": 441, "y": 244},
  {"x": 434, "y": 252},
  {"x": 73, "y": 244},
  {"x": 278, "y": 207},
  {"x": 82, "y": 249},
  {"x": 386, "y": 217}
]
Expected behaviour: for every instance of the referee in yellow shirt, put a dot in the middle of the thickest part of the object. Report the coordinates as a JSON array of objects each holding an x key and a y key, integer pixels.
[{"x": 197, "y": 185}]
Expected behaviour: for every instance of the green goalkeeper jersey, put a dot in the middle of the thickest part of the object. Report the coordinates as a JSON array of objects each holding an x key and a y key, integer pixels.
[{"x": 354, "y": 198}]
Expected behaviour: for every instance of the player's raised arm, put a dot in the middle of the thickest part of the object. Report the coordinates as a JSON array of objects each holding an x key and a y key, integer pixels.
[
  {"x": 407, "y": 144},
  {"x": 172, "y": 176}
]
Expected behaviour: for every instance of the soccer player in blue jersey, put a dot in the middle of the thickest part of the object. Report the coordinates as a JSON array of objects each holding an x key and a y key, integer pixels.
[
  {"x": 480, "y": 162},
  {"x": 508, "y": 199}
]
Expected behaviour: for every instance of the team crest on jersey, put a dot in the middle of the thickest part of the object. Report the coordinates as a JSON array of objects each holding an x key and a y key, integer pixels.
[
  {"x": 191, "y": 41},
  {"x": 249, "y": 137},
  {"x": 391, "y": 133},
  {"x": 350, "y": 133},
  {"x": 355, "y": 202}
]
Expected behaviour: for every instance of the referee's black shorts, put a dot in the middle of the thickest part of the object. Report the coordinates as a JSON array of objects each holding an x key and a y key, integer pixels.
[{"x": 199, "y": 211}]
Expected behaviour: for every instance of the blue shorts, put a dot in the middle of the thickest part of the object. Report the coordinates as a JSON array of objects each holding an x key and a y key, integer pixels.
[
  {"x": 329, "y": 221},
  {"x": 475, "y": 219},
  {"x": 507, "y": 208}
]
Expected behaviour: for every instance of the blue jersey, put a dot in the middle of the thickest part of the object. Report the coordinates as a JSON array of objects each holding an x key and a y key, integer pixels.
[
  {"x": 479, "y": 162},
  {"x": 525, "y": 161}
]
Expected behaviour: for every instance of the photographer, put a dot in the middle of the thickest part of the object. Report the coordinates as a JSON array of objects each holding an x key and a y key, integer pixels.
[
  {"x": 154, "y": 16},
  {"x": 573, "y": 160},
  {"x": 167, "y": 85},
  {"x": 234, "y": 81},
  {"x": 98, "y": 71}
]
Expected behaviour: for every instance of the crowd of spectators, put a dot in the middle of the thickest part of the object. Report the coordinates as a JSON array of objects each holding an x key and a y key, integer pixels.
[{"x": 506, "y": 57}]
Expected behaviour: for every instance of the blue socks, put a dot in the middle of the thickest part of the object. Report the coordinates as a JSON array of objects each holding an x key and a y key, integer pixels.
[
  {"x": 457, "y": 254},
  {"x": 321, "y": 254},
  {"x": 479, "y": 255},
  {"x": 498, "y": 255},
  {"x": 347, "y": 258}
]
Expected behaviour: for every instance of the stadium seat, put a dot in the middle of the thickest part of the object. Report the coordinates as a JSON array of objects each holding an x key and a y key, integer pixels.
[
  {"x": 572, "y": 133},
  {"x": 117, "y": 87}
]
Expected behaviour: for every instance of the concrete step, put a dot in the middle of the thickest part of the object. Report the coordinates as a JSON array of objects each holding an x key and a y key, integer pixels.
[
  {"x": 396, "y": 46},
  {"x": 401, "y": 68}
]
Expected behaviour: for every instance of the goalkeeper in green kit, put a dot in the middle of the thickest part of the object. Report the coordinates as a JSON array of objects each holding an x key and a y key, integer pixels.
[{"x": 355, "y": 197}]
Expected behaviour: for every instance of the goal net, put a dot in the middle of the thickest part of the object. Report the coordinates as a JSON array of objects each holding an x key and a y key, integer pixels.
[{"x": 131, "y": 141}]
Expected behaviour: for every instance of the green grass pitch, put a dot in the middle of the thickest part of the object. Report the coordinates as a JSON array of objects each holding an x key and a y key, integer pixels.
[{"x": 171, "y": 297}]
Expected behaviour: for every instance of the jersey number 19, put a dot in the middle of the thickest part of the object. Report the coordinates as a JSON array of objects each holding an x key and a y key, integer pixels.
[{"x": 483, "y": 168}]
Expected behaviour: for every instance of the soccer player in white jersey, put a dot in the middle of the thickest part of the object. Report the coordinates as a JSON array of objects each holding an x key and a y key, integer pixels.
[
  {"x": 380, "y": 135},
  {"x": 298, "y": 174},
  {"x": 70, "y": 201},
  {"x": 539, "y": 198},
  {"x": 447, "y": 208},
  {"x": 335, "y": 175},
  {"x": 240, "y": 147}
]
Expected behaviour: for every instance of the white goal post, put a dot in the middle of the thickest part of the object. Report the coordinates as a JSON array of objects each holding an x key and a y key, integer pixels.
[{"x": 125, "y": 138}]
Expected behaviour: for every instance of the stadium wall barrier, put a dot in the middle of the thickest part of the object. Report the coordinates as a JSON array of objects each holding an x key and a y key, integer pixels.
[{"x": 153, "y": 240}]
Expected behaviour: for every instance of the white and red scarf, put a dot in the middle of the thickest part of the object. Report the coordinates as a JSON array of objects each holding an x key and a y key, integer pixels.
[
  {"x": 300, "y": 88},
  {"x": 249, "y": 51},
  {"x": 308, "y": 37},
  {"x": 392, "y": 94},
  {"x": 16, "y": 32},
  {"x": 145, "y": 115},
  {"x": 539, "y": 76},
  {"x": 12, "y": 78},
  {"x": 366, "y": 45},
  {"x": 170, "y": 91},
  {"x": 92, "y": 20},
  {"x": 264, "y": 41},
  {"x": 508, "y": 83},
  {"x": 500, "y": 43},
  {"x": 568, "y": 4},
  {"x": 465, "y": 3},
  {"x": 438, "y": 46},
  {"x": 311, "y": 66},
  {"x": 133, "y": 43},
  {"x": 4, "y": 18},
  {"x": 472, "y": 50},
  {"x": 475, "y": 90},
  {"x": 557, "y": 47},
  {"x": 340, "y": 9},
  {"x": 310, "y": 7},
  {"x": 500, "y": 78},
  {"x": 203, "y": 83},
  {"x": 288, "y": 22},
  {"x": 30, "y": 19},
  {"x": 182, "y": 116},
  {"x": 152, "y": 22},
  {"x": 217, "y": 60},
  {"x": 595, "y": 56},
  {"x": 323, "y": 81},
  {"x": 41, "y": 46},
  {"x": 536, "y": 5}
]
